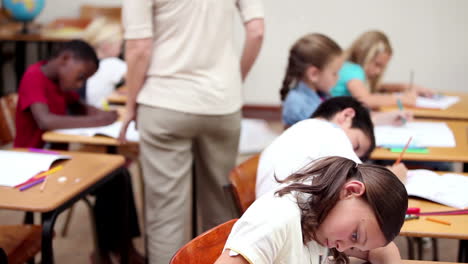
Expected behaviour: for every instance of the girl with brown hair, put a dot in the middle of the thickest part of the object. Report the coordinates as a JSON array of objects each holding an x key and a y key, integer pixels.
[
  {"x": 313, "y": 64},
  {"x": 331, "y": 204},
  {"x": 361, "y": 74}
]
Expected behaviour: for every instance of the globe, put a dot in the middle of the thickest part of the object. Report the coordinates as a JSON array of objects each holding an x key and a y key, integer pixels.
[{"x": 23, "y": 10}]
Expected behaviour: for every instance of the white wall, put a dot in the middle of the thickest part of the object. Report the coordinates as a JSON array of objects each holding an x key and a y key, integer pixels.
[{"x": 428, "y": 36}]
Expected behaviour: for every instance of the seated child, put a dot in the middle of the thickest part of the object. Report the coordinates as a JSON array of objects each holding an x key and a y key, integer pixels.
[
  {"x": 331, "y": 204},
  {"x": 341, "y": 126},
  {"x": 314, "y": 61},
  {"x": 361, "y": 74},
  {"x": 106, "y": 36},
  {"x": 46, "y": 92}
]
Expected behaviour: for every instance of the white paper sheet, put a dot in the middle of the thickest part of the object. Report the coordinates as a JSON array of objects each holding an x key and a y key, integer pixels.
[
  {"x": 18, "y": 167},
  {"x": 438, "y": 102},
  {"x": 255, "y": 135},
  {"x": 111, "y": 130},
  {"x": 448, "y": 189},
  {"x": 425, "y": 134}
]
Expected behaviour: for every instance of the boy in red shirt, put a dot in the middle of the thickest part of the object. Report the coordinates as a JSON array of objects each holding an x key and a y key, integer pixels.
[{"x": 47, "y": 92}]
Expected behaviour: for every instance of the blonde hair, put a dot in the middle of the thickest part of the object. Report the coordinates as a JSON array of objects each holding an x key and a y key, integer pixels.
[
  {"x": 103, "y": 30},
  {"x": 367, "y": 47},
  {"x": 310, "y": 50}
]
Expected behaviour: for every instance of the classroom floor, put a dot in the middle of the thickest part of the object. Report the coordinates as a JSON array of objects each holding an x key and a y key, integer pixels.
[{"x": 75, "y": 248}]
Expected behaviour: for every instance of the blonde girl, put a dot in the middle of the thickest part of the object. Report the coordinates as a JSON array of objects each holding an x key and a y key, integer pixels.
[
  {"x": 332, "y": 204},
  {"x": 106, "y": 36},
  {"x": 361, "y": 74},
  {"x": 313, "y": 64}
]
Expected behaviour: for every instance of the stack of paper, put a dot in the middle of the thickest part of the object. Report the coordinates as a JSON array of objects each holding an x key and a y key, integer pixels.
[
  {"x": 112, "y": 130},
  {"x": 18, "y": 167},
  {"x": 438, "y": 102},
  {"x": 255, "y": 135},
  {"x": 448, "y": 189},
  {"x": 425, "y": 134}
]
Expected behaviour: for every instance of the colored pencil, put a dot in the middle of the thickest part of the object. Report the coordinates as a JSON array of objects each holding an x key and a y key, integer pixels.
[
  {"x": 438, "y": 221},
  {"x": 403, "y": 152},
  {"x": 29, "y": 185}
]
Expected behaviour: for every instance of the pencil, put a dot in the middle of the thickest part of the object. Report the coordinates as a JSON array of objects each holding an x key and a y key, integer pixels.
[
  {"x": 438, "y": 221},
  {"x": 400, "y": 106},
  {"x": 403, "y": 152}
]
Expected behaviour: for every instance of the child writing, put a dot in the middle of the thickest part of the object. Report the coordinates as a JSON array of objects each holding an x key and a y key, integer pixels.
[
  {"x": 106, "y": 36},
  {"x": 341, "y": 126},
  {"x": 361, "y": 74},
  {"x": 313, "y": 65},
  {"x": 331, "y": 204},
  {"x": 46, "y": 93}
]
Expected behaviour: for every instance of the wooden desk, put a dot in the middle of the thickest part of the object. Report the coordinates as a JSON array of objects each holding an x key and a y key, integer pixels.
[
  {"x": 55, "y": 137},
  {"x": 456, "y": 154},
  {"x": 9, "y": 33},
  {"x": 84, "y": 171},
  {"x": 119, "y": 96},
  {"x": 423, "y": 228},
  {"x": 458, "y": 111}
]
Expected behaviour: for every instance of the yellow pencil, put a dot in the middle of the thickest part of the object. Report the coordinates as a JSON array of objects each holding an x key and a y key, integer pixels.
[
  {"x": 403, "y": 151},
  {"x": 438, "y": 221}
]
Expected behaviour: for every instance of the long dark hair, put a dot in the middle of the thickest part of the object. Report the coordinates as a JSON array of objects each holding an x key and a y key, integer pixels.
[
  {"x": 310, "y": 50},
  {"x": 385, "y": 194}
]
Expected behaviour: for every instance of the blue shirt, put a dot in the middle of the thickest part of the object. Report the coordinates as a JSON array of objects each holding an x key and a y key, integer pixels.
[
  {"x": 300, "y": 103},
  {"x": 349, "y": 71}
]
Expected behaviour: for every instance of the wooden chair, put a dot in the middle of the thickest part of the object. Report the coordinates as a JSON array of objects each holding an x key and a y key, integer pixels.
[
  {"x": 20, "y": 242},
  {"x": 205, "y": 248},
  {"x": 94, "y": 11},
  {"x": 7, "y": 118},
  {"x": 243, "y": 178}
]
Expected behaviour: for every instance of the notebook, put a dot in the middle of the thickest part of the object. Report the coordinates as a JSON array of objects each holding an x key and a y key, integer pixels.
[
  {"x": 111, "y": 130},
  {"x": 18, "y": 167},
  {"x": 448, "y": 189},
  {"x": 437, "y": 102},
  {"x": 425, "y": 134},
  {"x": 255, "y": 135}
]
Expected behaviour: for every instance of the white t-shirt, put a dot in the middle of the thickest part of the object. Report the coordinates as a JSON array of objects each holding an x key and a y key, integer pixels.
[
  {"x": 269, "y": 232},
  {"x": 99, "y": 86},
  {"x": 305, "y": 141},
  {"x": 195, "y": 65}
]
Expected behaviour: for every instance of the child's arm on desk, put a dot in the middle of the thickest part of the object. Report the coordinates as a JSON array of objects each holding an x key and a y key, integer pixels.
[
  {"x": 50, "y": 121},
  {"x": 384, "y": 255}
]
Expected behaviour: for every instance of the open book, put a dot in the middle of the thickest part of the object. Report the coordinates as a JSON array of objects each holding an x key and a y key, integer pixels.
[
  {"x": 111, "y": 130},
  {"x": 448, "y": 189},
  {"x": 18, "y": 167}
]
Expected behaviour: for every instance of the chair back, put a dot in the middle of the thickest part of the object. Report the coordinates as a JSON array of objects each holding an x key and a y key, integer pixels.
[
  {"x": 243, "y": 179},
  {"x": 94, "y": 11},
  {"x": 205, "y": 248},
  {"x": 7, "y": 118},
  {"x": 20, "y": 242}
]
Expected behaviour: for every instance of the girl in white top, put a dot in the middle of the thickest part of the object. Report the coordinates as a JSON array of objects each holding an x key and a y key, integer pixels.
[
  {"x": 106, "y": 36},
  {"x": 331, "y": 204}
]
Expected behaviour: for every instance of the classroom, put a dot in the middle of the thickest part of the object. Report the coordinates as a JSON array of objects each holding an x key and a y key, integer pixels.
[{"x": 154, "y": 131}]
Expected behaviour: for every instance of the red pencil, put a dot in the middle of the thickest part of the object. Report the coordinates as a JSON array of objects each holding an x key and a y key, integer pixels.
[{"x": 403, "y": 151}]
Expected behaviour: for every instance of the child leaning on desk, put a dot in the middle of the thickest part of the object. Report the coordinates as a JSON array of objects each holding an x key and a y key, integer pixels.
[
  {"x": 331, "y": 204},
  {"x": 312, "y": 70},
  {"x": 46, "y": 93},
  {"x": 106, "y": 36},
  {"x": 361, "y": 74}
]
